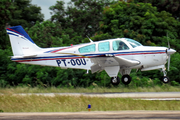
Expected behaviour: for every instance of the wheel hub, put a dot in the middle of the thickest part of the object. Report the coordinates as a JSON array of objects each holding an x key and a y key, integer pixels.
[
  {"x": 114, "y": 80},
  {"x": 165, "y": 80},
  {"x": 125, "y": 79}
]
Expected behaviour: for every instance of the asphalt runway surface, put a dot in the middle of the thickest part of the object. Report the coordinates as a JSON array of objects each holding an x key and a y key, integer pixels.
[{"x": 125, "y": 115}]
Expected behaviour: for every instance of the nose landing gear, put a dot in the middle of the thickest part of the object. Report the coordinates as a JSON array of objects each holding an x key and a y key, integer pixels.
[{"x": 165, "y": 79}]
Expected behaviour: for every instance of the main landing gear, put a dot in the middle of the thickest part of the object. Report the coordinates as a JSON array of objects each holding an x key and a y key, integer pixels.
[
  {"x": 115, "y": 80},
  {"x": 126, "y": 79}
]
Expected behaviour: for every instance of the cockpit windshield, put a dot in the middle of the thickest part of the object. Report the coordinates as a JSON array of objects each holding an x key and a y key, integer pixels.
[{"x": 133, "y": 43}]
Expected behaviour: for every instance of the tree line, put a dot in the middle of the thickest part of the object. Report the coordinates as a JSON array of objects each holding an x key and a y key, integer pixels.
[{"x": 145, "y": 21}]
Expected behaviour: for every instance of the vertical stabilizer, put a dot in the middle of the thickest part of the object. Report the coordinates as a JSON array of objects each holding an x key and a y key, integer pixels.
[{"x": 21, "y": 43}]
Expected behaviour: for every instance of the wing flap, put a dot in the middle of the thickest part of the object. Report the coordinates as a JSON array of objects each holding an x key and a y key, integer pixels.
[{"x": 95, "y": 68}]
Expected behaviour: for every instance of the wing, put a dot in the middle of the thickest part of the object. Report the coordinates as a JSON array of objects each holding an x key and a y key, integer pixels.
[{"x": 101, "y": 62}]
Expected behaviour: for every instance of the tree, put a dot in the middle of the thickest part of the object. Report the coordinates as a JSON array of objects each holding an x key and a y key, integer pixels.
[
  {"x": 141, "y": 22},
  {"x": 17, "y": 12},
  {"x": 171, "y": 6},
  {"x": 48, "y": 34},
  {"x": 25, "y": 14},
  {"x": 81, "y": 18},
  {"x": 6, "y": 9}
]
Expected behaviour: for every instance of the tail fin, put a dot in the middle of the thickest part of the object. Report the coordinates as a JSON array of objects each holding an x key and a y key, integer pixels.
[{"x": 22, "y": 45}]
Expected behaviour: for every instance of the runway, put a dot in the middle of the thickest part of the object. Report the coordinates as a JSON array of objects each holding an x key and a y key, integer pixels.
[
  {"x": 125, "y": 115},
  {"x": 135, "y": 95}
]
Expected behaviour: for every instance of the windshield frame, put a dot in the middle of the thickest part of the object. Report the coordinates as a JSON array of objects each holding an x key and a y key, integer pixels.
[{"x": 133, "y": 43}]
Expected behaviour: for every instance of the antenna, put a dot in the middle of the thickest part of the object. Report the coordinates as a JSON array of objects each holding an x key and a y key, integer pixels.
[{"x": 89, "y": 39}]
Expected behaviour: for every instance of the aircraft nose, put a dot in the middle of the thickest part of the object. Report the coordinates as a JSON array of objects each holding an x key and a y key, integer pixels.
[{"x": 170, "y": 51}]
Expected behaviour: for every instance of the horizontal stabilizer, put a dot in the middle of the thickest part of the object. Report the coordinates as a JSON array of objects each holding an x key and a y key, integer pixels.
[{"x": 24, "y": 56}]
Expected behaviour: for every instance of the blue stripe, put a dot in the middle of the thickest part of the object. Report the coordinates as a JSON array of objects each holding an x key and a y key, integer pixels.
[
  {"x": 16, "y": 35},
  {"x": 20, "y": 35},
  {"x": 87, "y": 55}
]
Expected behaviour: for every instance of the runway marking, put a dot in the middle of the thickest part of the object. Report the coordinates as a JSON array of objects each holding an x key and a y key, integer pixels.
[
  {"x": 163, "y": 96},
  {"x": 137, "y": 95},
  {"x": 161, "y": 99}
]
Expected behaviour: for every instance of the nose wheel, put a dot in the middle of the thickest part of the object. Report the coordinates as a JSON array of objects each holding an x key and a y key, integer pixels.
[{"x": 165, "y": 79}]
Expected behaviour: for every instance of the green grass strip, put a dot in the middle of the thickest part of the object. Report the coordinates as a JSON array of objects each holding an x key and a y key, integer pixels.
[{"x": 33, "y": 103}]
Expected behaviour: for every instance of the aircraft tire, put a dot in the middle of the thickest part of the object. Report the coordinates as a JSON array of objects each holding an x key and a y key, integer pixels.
[
  {"x": 165, "y": 79},
  {"x": 115, "y": 80},
  {"x": 126, "y": 79}
]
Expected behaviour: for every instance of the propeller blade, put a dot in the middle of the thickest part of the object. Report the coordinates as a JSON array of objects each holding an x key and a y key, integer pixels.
[
  {"x": 169, "y": 57},
  {"x": 168, "y": 41}
]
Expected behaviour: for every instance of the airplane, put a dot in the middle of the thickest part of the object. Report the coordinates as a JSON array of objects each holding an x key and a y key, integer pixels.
[{"x": 119, "y": 55}]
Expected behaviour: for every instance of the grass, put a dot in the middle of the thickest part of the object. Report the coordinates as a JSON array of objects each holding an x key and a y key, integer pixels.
[
  {"x": 32, "y": 103},
  {"x": 26, "y": 89}
]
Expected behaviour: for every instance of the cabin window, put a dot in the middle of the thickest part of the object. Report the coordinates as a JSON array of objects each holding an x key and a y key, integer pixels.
[
  {"x": 103, "y": 47},
  {"x": 119, "y": 45},
  {"x": 86, "y": 49}
]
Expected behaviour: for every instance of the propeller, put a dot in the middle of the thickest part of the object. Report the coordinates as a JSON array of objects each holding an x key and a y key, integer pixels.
[
  {"x": 169, "y": 57},
  {"x": 169, "y": 52},
  {"x": 168, "y": 41}
]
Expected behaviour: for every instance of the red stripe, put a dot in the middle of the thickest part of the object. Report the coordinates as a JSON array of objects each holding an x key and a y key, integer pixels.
[
  {"x": 140, "y": 53},
  {"x": 15, "y": 31},
  {"x": 63, "y": 49}
]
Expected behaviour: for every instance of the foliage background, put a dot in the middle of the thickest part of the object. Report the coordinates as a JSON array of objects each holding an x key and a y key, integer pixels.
[{"x": 145, "y": 21}]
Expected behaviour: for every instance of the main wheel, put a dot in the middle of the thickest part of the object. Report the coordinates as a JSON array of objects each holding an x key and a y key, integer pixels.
[
  {"x": 126, "y": 79},
  {"x": 115, "y": 80},
  {"x": 165, "y": 79}
]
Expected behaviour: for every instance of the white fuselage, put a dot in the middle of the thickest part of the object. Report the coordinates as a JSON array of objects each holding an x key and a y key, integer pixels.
[{"x": 70, "y": 57}]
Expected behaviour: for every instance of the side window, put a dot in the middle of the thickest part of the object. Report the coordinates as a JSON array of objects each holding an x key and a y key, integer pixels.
[
  {"x": 119, "y": 45},
  {"x": 103, "y": 47},
  {"x": 86, "y": 49}
]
